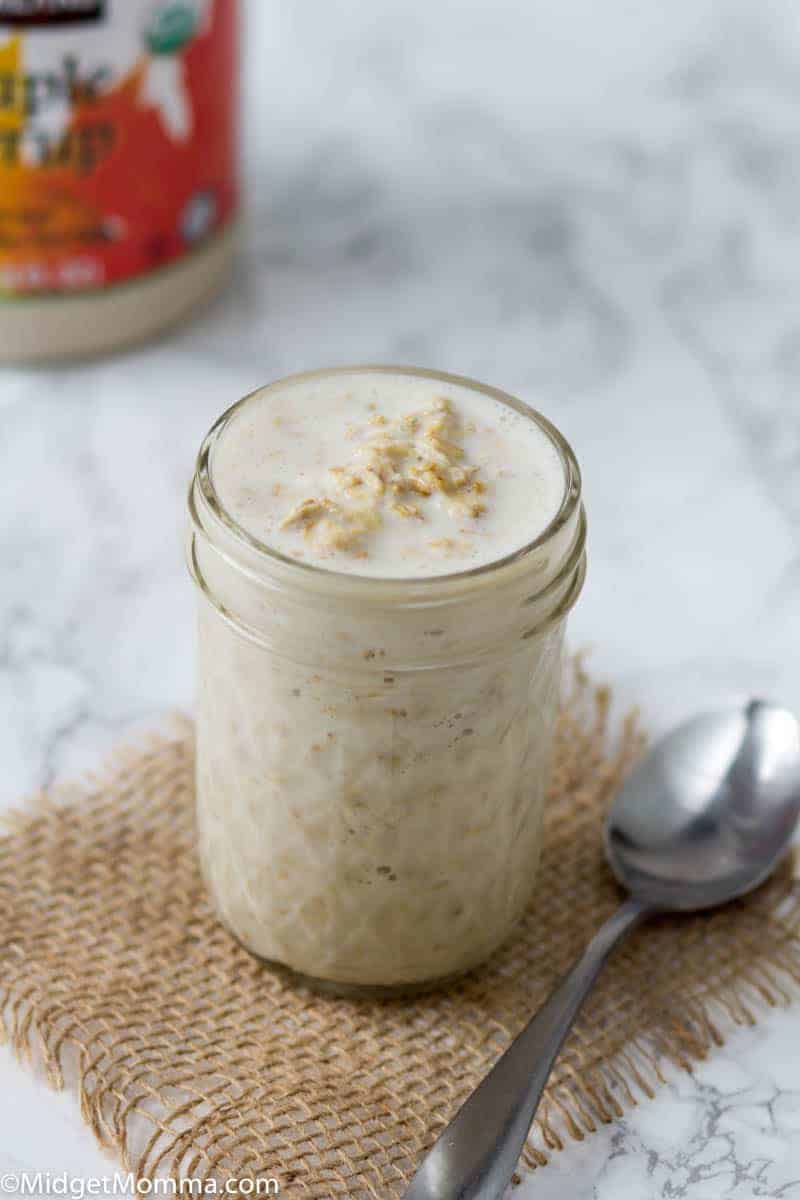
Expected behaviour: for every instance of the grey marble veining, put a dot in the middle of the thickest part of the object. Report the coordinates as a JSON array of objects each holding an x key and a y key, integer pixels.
[{"x": 596, "y": 208}]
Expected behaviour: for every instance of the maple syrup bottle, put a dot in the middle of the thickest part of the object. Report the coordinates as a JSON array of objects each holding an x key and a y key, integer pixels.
[{"x": 118, "y": 168}]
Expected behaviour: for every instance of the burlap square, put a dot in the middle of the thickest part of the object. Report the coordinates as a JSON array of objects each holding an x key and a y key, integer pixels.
[{"x": 189, "y": 1057}]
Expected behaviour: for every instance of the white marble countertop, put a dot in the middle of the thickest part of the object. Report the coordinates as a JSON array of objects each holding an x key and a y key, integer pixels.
[{"x": 600, "y": 214}]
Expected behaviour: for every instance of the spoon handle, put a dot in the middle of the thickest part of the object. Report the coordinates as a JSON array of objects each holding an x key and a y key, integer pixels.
[{"x": 474, "y": 1158}]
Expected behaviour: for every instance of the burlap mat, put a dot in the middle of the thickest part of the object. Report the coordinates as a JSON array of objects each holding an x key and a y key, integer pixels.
[{"x": 192, "y": 1058}]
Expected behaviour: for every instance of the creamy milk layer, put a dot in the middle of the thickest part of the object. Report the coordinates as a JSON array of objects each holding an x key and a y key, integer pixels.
[
  {"x": 387, "y": 475},
  {"x": 371, "y": 772}
]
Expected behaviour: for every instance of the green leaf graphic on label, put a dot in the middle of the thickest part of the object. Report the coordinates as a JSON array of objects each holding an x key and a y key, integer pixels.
[{"x": 171, "y": 29}]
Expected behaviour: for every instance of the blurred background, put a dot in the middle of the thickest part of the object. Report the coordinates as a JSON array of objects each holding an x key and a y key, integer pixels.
[{"x": 596, "y": 206}]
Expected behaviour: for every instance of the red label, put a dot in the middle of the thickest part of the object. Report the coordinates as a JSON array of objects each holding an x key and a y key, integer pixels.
[{"x": 117, "y": 137}]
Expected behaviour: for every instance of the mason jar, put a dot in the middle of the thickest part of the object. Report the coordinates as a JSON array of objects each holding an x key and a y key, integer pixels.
[{"x": 373, "y": 754}]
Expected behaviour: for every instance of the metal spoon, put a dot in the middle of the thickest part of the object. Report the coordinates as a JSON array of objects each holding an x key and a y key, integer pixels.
[{"x": 704, "y": 819}]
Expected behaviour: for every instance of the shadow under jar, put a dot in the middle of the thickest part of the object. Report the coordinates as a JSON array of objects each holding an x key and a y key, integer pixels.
[{"x": 373, "y": 753}]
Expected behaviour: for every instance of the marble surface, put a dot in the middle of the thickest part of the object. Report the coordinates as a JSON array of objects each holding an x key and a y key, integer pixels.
[{"x": 599, "y": 213}]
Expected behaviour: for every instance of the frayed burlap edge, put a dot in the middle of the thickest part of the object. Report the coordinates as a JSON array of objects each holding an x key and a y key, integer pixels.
[{"x": 667, "y": 998}]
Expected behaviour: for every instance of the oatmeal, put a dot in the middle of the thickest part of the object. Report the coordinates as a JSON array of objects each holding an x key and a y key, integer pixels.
[
  {"x": 389, "y": 476},
  {"x": 373, "y": 737},
  {"x": 419, "y": 455}
]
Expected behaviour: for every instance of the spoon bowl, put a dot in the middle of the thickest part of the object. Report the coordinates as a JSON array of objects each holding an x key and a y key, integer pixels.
[{"x": 708, "y": 813}]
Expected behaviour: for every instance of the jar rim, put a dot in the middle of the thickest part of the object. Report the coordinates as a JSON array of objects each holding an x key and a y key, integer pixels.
[{"x": 202, "y": 482}]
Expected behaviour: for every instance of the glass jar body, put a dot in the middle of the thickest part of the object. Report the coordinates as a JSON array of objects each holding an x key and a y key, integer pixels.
[
  {"x": 371, "y": 776},
  {"x": 379, "y": 828}
]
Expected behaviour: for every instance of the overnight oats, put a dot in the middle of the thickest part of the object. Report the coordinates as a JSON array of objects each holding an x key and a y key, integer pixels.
[{"x": 385, "y": 559}]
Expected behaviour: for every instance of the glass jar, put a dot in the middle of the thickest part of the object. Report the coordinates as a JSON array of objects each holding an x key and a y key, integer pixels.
[{"x": 373, "y": 754}]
